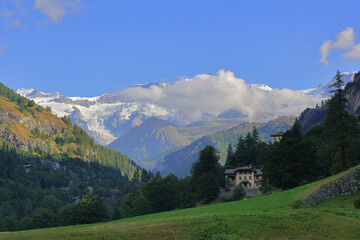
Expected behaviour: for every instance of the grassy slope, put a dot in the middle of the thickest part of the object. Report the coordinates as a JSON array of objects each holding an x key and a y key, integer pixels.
[{"x": 266, "y": 217}]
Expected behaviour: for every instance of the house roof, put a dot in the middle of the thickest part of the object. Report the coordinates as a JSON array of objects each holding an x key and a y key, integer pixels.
[
  {"x": 233, "y": 171},
  {"x": 258, "y": 172},
  {"x": 277, "y": 134}
]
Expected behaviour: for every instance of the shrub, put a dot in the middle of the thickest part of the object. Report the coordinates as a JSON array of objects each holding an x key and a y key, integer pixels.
[
  {"x": 357, "y": 203},
  {"x": 238, "y": 194},
  {"x": 297, "y": 204}
]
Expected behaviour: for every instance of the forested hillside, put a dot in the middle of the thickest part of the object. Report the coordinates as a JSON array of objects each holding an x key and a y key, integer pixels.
[
  {"x": 35, "y": 192},
  {"x": 28, "y": 126}
]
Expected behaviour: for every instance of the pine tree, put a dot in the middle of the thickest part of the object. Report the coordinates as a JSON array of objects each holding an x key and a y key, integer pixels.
[
  {"x": 239, "y": 152},
  {"x": 255, "y": 135},
  {"x": 230, "y": 158},
  {"x": 205, "y": 178},
  {"x": 339, "y": 128},
  {"x": 249, "y": 141}
]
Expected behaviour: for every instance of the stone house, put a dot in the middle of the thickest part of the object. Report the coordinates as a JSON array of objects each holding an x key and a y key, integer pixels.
[
  {"x": 248, "y": 177},
  {"x": 276, "y": 137},
  {"x": 27, "y": 167}
]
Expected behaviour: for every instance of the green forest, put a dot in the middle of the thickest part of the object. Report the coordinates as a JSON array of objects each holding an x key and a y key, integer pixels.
[{"x": 37, "y": 193}]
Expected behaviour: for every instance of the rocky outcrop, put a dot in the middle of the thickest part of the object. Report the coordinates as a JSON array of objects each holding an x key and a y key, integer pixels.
[{"x": 344, "y": 185}]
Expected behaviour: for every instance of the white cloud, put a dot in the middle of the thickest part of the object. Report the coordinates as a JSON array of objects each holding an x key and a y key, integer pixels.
[
  {"x": 221, "y": 92},
  {"x": 56, "y": 9},
  {"x": 354, "y": 53},
  {"x": 343, "y": 40}
]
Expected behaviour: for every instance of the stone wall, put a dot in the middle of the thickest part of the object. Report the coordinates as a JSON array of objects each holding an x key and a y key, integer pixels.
[
  {"x": 345, "y": 185},
  {"x": 252, "y": 192}
]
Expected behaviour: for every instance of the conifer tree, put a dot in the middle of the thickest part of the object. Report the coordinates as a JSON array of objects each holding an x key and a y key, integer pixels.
[
  {"x": 339, "y": 129},
  {"x": 206, "y": 174},
  {"x": 255, "y": 135},
  {"x": 230, "y": 158}
]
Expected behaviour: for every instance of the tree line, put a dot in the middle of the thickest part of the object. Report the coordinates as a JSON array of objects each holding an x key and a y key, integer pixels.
[{"x": 38, "y": 193}]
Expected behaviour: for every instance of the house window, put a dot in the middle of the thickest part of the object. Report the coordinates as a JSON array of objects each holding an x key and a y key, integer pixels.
[
  {"x": 249, "y": 184},
  {"x": 239, "y": 177},
  {"x": 244, "y": 177},
  {"x": 249, "y": 177}
]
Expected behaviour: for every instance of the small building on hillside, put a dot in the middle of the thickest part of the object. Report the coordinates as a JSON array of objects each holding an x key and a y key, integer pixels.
[
  {"x": 76, "y": 199},
  {"x": 27, "y": 167},
  {"x": 248, "y": 177},
  {"x": 276, "y": 137}
]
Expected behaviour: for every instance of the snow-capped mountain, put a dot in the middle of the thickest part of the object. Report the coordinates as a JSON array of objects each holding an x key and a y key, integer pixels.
[
  {"x": 105, "y": 117},
  {"x": 323, "y": 88},
  {"x": 110, "y": 116}
]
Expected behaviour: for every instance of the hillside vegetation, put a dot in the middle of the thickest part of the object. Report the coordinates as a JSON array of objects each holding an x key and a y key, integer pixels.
[
  {"x": 34, "y": 192},
  {"x": 28, "y": 126},
  {"x": 276, "y": 216}
]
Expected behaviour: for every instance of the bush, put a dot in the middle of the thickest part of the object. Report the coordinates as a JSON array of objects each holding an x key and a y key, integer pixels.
[
  {"x": 238, "y": 194},
  {"x": 297, "y": 204},
  {"x": 357, "y": 203},
  {"x": 265, "y": 187}
]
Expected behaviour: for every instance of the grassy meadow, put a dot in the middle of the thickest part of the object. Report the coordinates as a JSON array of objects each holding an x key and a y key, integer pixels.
[{"x": 276, "y": 216}]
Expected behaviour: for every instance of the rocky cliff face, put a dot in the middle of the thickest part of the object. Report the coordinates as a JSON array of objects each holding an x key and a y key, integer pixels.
[{"x": 353, "y": 93}]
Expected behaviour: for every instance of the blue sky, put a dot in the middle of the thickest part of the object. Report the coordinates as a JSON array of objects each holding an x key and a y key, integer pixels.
[{"x": 89, "y": 47}]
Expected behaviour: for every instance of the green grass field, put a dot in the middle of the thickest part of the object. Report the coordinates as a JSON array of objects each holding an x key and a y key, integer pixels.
[{"x": 268, "y": 217}]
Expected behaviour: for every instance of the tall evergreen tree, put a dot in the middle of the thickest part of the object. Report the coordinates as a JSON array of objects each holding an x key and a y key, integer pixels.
[
  {"x": 249, "y": 141},
  {"x": 207, "y": 174},
  {"x": 339, "y": 129},
  {"x": 230, "y": 158},
  {"x": 255, "y": 135},
  {"x": 239, "y": 152}
]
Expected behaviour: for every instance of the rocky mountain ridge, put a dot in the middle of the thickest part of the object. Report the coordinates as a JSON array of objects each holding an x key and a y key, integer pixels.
[
  {"x": 314, "y": 116},
  {"x": 111, "y": 115}
]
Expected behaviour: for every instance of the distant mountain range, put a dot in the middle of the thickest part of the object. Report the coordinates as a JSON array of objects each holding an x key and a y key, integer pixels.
[
  {"x": 149, "y": 131},
  {"x": 111, "y": 115},
  {"x": 179, "y": 162},
  {"x": 155, "y": 137}
]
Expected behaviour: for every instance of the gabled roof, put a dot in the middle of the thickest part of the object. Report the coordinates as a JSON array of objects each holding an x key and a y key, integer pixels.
[
  {"x": 233, "y": 171},
  {"x": 277, "y": 134}
]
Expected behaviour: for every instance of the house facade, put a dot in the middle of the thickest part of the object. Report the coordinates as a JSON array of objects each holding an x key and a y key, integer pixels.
[
  {"x": 248, "y": 177},
  {"x": 276, "y": 137}
]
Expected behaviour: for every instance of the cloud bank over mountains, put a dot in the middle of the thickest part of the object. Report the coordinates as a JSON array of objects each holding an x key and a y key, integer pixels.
[
  {"x": 218, "y": 93},
  {"x": 344, "y": 40}
]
